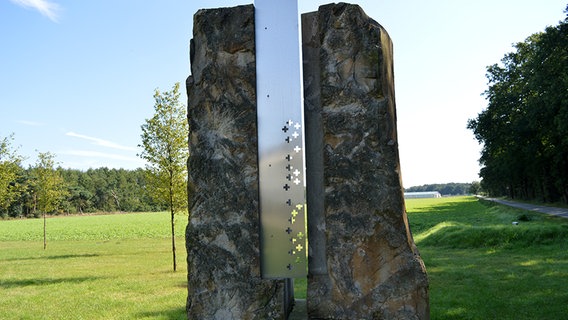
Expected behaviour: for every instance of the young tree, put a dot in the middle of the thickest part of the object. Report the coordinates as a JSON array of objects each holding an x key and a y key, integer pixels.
[
  {"x": 10, "y": 170},
  {"x": 49, "y": 187},
  {"x": 164, "y": 139}
]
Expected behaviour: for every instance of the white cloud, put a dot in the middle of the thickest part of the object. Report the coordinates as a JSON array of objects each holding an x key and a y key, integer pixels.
[
  {"x": 30, "y": 123},
  {"x": 46, "y": 8},
  {"x": 100, "y": 142}
]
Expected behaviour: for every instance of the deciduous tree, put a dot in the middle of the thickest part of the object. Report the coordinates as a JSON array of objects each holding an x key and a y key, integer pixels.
[
  {"x": 48, "y": 187},
  {"x": 524, "y": 129},
  {"x": 164, "y": 143},
  {"x": 10, "y": 170}
]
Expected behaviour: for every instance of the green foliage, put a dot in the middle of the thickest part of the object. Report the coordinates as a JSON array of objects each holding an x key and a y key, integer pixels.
[
  {"x": 164, "y": 142},
  {"x": 94, "y": 190},
  {"x": 475, "y": 188},
  {"x": 481, "y": 266},
  {"x": 524, "y": 130},
  {"x": 47, "y": 184},
  {"x": 445, "y": 189},
  {"x": 164, "y": 139},
  {"x": 108, "y": 190},
  {"x": 10, "y": 171}
]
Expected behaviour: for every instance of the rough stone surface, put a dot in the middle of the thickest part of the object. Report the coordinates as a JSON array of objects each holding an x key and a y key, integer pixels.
[
  {"x": 222, "y": 237},
  {"x": 372, "y": 269}
]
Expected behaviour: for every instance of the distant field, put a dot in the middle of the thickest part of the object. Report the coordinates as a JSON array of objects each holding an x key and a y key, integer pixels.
[
  {"x": 95, "y": 267},
  {"x": 94, "y": 227}
]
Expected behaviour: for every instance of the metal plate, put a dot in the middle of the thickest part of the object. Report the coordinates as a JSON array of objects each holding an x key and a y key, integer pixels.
[{"x": 280, "y": 140}]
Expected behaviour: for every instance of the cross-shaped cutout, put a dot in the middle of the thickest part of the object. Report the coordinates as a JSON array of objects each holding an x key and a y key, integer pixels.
[
  {"x": 289, "y": 266},
  {"x": 288, "y": 231},
  {"x": 295, "y": 134},
  {"x": 287, "y": 139},
  {"x": 286, "y": 187},
  {"x": 292, "y": 220},
  {"x": 299, "y": 206},
  {"x": 300, "y": 235},
  {"x": 297, "y": 126},
  {"x": 289, "y": 157},
  {"x": 289, "y": 122},
  {"x": 289, "y": 167},
  {"x": 285, "y": 129},
  {"x": 297, "y": 148},
  {"x": 294, "y": 213},
  {"x": 289, "y": 202},
  {"x": 289, "y": 177},
  {"x": 296, "y": 172},
  {"x": 297, "y": 181},
  {"x": 299, "y": 247}
]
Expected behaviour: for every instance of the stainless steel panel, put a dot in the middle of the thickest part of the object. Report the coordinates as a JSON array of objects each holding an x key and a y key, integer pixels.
[{"x": 280, "y": 140}]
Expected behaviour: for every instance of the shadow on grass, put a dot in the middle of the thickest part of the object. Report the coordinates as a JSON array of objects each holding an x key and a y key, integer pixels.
[
  {"x": 471, "y": 223},
  {"x": 57, "y": 257},
  {"x": 43, "y": 281},
  {"x": 171, "y": 314},
  {"x": 526, "y": 283}
]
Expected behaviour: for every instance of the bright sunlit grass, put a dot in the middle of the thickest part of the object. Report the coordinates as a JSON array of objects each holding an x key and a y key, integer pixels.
[
  {"x": 481, "y": 266},
  {"x": 120, "y": 268}
]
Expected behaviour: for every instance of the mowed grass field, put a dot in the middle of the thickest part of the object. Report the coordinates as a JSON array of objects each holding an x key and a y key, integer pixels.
[
  {"x": 95, "y": 267},
  {"x": 480, "y": 265}
]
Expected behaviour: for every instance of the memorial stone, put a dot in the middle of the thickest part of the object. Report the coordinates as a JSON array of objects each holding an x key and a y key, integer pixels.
[
  {"x": 362, "y": 262},
  {"x": 222, "y": 237}
]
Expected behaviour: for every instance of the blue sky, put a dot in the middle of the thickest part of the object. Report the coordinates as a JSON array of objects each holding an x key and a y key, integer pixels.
[{"x": 77, "y": 77}]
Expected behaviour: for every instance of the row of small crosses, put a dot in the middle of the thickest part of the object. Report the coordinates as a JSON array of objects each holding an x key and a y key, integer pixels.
[{"x": 293, "y": 174}]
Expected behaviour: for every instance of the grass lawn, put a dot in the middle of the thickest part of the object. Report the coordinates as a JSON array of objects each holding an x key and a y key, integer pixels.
[
  {"x": 481, "y": 266},
  {"x": 95, "y": 267}
]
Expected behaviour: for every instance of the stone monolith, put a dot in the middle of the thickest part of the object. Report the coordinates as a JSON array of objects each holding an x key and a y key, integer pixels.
[
  {"x": 222, "y": 236},
  {"x": 363, "y": 263}
]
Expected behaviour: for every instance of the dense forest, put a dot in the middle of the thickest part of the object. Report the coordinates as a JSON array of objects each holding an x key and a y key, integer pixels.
[
  {"x": 94, "y": 190},
  {"x": 447, "y": 189},
  {"x": 524, "y": 129}
]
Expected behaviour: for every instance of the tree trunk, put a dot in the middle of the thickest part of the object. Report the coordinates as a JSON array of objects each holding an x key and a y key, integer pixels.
[
  {"x": 172, "y": 212},
  {"x": 173, "y": 240},
  {"x": 44, "y": 233}
]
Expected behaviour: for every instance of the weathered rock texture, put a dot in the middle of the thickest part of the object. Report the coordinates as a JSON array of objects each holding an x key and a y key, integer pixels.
[
  {"x": 371, "y": 268},
  {"x": 363, "y": 263},
  {"x": 222, "y": 237}
]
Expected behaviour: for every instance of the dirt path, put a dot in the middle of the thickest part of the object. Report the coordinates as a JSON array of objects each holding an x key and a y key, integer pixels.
[{"x": 561, "y": 212}]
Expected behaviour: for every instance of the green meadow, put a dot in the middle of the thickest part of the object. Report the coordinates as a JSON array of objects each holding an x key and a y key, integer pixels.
[
  {"x": 480, "y": 265},
  {"x": 95, "y": 267}
]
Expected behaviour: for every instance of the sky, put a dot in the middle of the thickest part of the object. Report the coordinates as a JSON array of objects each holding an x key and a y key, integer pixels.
[{"x": 77, "y": 77}]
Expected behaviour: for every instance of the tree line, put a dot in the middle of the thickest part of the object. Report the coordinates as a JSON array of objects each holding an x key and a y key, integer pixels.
[
  {"x": 43, "y": 188},
  {"x": 448, "y": 189},
  {"x": 524, "y": 129},
  {"x": 76, "y": 192}
]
